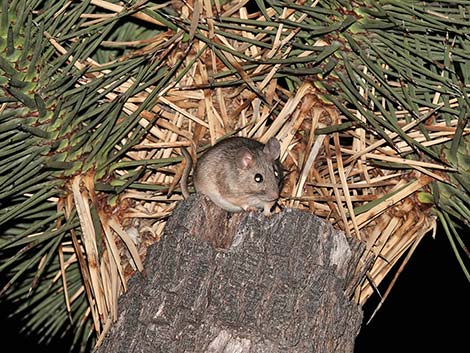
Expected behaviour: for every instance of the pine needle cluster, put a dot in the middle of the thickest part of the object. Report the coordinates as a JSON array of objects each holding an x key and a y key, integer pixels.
[{"x": 369, "y": 99}]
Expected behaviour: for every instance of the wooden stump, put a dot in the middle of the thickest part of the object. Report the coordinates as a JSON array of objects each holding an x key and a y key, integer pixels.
[{"x": 220, "y": 282}]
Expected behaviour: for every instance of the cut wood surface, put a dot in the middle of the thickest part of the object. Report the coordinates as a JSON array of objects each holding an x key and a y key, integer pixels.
[{"x": 224, "y": 282}]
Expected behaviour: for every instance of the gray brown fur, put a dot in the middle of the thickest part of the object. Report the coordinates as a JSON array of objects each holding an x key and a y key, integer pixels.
[{"x": 230, "y": 174}]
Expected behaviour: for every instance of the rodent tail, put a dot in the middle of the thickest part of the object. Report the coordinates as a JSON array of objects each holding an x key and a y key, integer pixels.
[{"x": 186, "y": 171}]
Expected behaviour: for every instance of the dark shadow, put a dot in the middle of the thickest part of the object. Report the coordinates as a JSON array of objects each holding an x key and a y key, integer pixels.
[{"x": 428, "y": 308}]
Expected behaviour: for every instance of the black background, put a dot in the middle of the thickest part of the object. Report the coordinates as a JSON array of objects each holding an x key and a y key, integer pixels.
[{"x": 427, "y": 310}]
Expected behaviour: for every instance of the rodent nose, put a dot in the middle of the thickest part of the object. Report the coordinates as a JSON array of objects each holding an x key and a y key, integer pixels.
[{"x": 272, "y": 195}]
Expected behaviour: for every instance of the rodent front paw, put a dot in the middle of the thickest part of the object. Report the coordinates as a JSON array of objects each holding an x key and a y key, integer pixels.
[{"x": 267, "y": 210}]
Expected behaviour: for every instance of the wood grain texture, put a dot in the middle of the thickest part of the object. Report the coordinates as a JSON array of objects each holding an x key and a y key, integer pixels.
[{"x": 220, "y": 282}]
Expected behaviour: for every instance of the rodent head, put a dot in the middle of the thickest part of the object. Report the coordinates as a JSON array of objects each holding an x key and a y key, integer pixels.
[{"x": 260, "y": 172}]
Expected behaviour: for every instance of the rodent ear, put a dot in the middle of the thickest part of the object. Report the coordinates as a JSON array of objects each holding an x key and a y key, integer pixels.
[
  {"x": 246, "y": 159},
  {"x": 272, "y": 148}
]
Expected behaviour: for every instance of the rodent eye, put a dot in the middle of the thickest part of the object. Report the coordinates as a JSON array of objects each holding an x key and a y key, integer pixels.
[
  {"x": 258, "y": 178},
  {"x": 276, "y": 173}
]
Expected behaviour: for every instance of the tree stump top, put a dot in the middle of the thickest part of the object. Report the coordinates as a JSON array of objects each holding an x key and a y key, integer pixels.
[{"x": 221, "y": 282}]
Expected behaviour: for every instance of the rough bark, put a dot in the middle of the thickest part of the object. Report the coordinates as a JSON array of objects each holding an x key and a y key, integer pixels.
[{"x": 219, "y": 282}]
